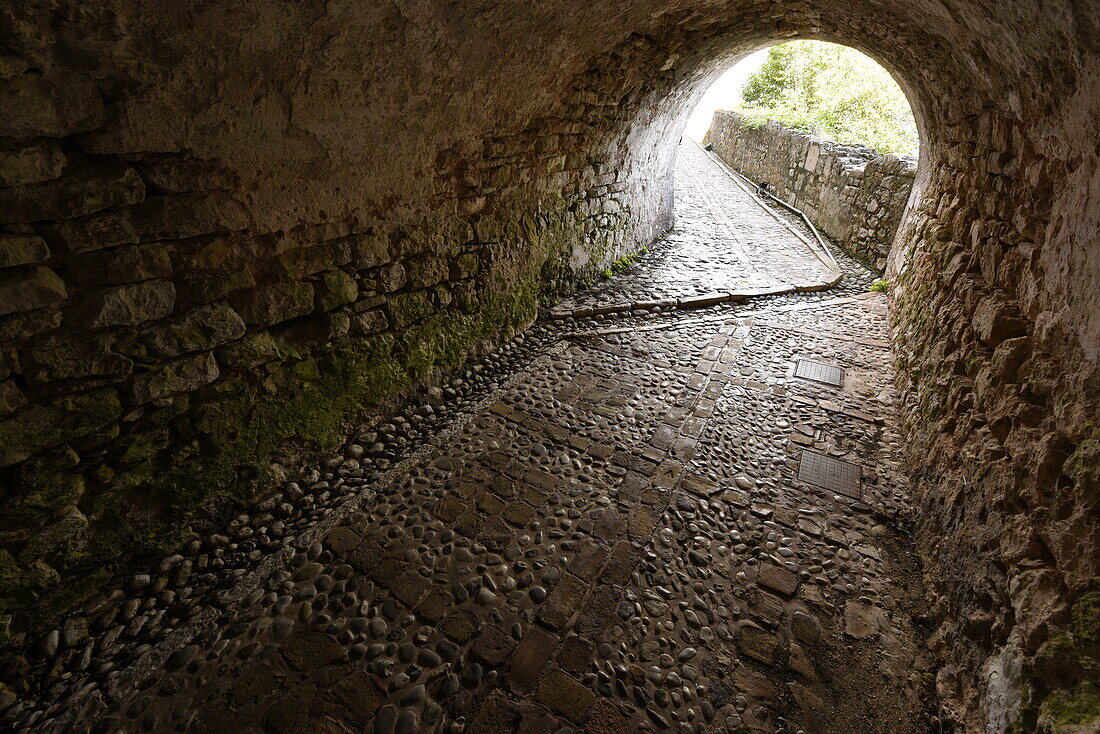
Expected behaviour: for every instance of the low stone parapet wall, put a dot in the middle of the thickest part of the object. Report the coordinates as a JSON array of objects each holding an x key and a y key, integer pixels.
[{"x": 849, "y": 192}]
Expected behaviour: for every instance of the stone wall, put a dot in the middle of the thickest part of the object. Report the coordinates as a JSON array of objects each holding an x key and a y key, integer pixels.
[
  {"x": 849, "y": 192},
  {"x": 169, "y": 343}
]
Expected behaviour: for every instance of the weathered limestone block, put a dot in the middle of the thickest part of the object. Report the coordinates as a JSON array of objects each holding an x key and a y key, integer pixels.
[
  {"x": 42, "y": 161},
  {"x": 47, "y": 488},
  {"x": 20, "y": 584},
  {"x": 373, "y": 321},
  {"x": 18, "y": 326},
  {"x": 370, "y": 250},
  {"x": 26, "y": 291},
  {"x": 122, "y": 265},
  {"x": 105, "y": 229},
  {"x": 251, "y": 351},
  {"x": 464, "y": 294},
  {"x": 304, "y": 261},
  {"x": 22, "y": 250},
  {"x": 73, "y": 356},
  {"x": 301, "y": 335},
  {"x": 465, "y": 266},
  {"x": 995, "y": 321},
  {"x": 406, "y": 308},
  {"x": 11, "y": 398},
  {"x": 218, "y": 254},
  {"x": 77, "y": 193},
  {"x": 128, "y": 305},
  {"x": 188, "y": 215},
  {"x": 179, "y": 376},
  {"x": 200, "y": 329},
  {"x": 53, "y": 422},
  {"x": 426, "y": 271},
  {"x": 270, "y": 304},
  {"x": 335, "y": 288},
  {"x": 392, "y": 278},
  {"x": 196, "y": 291}
]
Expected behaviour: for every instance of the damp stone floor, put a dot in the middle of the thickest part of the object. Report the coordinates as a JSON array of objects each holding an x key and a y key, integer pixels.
[{"x": 643, "y": 521}]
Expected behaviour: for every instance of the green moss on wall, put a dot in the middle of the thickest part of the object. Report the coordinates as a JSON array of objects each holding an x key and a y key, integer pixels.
[{"x": 1071, "y": 712}]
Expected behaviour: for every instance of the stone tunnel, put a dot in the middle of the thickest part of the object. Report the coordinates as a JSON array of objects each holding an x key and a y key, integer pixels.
[{"x": 318, "y": 207}]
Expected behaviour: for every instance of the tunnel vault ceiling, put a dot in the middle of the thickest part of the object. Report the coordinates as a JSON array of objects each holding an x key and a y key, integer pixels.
[{"x": 320, "y": 174}]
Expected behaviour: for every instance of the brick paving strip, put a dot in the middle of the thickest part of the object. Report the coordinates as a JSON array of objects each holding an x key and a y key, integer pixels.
[{"x": 613, "y": 538}]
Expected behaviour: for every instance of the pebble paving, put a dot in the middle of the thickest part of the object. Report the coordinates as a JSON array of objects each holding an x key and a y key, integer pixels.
[{"x": 598, "y": 528}]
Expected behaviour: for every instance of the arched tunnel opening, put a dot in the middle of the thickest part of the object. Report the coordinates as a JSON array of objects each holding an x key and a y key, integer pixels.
[{"x": 247, "y": 251}]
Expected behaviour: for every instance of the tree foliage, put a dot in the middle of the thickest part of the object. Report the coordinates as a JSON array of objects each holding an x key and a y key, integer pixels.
[{"x": 835, "y": 92}]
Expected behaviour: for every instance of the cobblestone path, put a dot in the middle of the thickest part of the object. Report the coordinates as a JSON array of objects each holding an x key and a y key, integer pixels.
[
  {"x": 644, "y": 522},
  {"x": 724, "y": 246}
]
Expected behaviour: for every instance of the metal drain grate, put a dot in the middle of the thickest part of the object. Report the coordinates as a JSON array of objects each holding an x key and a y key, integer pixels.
[
  {"x": 824, "y": 471},
  {"x": 808, "y": 369}
]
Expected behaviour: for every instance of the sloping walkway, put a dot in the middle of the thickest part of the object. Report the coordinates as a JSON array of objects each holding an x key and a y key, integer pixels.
[
  {"x": 724, "y": 247},
  {"x": 613, "y": 525}
]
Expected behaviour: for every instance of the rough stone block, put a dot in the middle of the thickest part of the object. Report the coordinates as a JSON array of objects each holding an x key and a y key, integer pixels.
[
  {"x": 67, "y": 357},
  {"x": 465, "y": 266},
  {"x": 370, "y": 322},
  {"x": 75, "y": 194},
  {"x": 392, "y": 278},
  {"x": 203, "y": 328},
  {"x": 563, "y": 602},
  {"x": 335, "y": 288},
  {"x": 195, "y": 291},
  {"x": 270, "y": 304},
  {"x": 181, "y": 174},
  {"x": 757, "y": 644},
  {"x": 406, "y": 308},
  {"x": 31, "y": 164},
  {"x": 53, "y": 422},
  {"x": 122, "y": 265},
  {"x": 493, "y": 646},
  {"x": 22, "y": 250},
  {"x": 607, "y": 718},
  {"x": 995, "y": 321},
  {"x": 27, "y": 291},
  {"x": 217, "y": 254},
  {"x": 777, "y": 579},
  {"x": 189, "y": 215},
  {"x": 460, "y": 626},
  {"x": 251, "y": 351},
  {"x": 358, "y": 695},
  {"x": 11, "y": 398},
  {"x": 54, "y": 104},
  {"x": 32, "y": 323},
  {"x": 530, "y": 658},
  {"x": 370, "y": 250},
  {"x": 426, "y": 271},
  {"x": 304, "y": 261},
  {"x": 497, "y": 715},
  {"x": 128, "y": 305},
  {"x": 105, "y": 229},
  {"x": 182, "y": 375},
  {"x": 66, "y": 535},
  {"x": 312, "y": 652}
]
